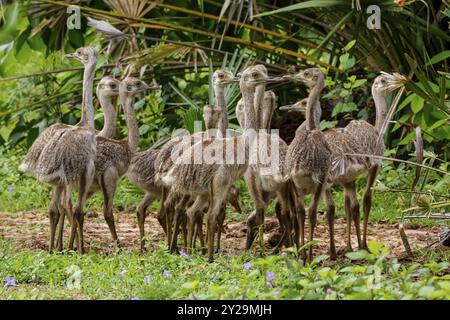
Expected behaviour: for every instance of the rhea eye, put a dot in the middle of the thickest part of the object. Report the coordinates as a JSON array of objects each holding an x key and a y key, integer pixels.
[
  {"x": 137, "y": 84},
  {"x": 112, "y": 85},
  {"x": 383, "y": 81},
  {"x": 220, "y": 75},
  {"x": 254, "y": 75},
  {"x": 129, "y": 87},
  {"x": 307, "y": 74}
]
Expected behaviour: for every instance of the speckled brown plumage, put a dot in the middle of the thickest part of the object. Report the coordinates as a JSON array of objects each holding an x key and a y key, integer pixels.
[
  {"x": 308, "y": 152},
  {"x": 66, "y": 155},
  {"x": 142, "y": 168},
  {"x": 367, "y": 136},
  {"x": 112, "y": 153},
  {"x": 31, "y": 158},
  {"x": 345, "y": 168},
  {"x": 190, "y": 178}
]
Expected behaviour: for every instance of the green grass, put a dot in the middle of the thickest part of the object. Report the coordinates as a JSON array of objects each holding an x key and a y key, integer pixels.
[{"x": 124, "y": 275}]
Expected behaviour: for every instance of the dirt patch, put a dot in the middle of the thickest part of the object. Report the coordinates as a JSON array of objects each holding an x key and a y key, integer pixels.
[{"x": 31, "y": 229}]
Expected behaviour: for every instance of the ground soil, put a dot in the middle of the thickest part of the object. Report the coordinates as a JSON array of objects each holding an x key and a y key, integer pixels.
[{"x": 31, "y": 230}]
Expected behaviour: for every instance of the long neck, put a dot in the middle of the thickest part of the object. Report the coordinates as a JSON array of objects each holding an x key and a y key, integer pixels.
[
  {"x": 312, "y": 104},
  {"x": 110, "y": 117},
  {"x": 259, "y": 106},
  {"x": 317, "y": 114},
  {"x": 87, "y": 107},
  {"x": 130, "y": 117},
  {"x": 220, "y": 102},
  {"x": 381, "y": 110},
  {"x": 249, "y": 109}
]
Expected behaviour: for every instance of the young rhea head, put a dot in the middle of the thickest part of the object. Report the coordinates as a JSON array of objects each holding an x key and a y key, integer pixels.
[
  {"x": 255, "y": 75},
  {"x": 131, "y": 87},
  {"x": 311, "y": 77},
  {"x": 108, "y": 87},
  {"x": 385, "y": 83},
  {"x": 84, "y": 55},
  {"x": 222, "y": 78},
  {"x": 299, "y": 106}
]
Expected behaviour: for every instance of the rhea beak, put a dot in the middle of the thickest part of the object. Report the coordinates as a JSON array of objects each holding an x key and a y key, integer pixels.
[
  {"x": 294, "y": 77},
  {"x": 72, "y": 56},
  {"x": 288, "y": 107},
  {"x": 288, "y": 77},
  {"x": 154, "y": 87},
  {"x": 274, "y": 79}
]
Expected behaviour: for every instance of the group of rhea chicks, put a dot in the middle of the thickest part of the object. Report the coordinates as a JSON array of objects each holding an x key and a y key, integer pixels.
[{"x": 77, "y": 157}]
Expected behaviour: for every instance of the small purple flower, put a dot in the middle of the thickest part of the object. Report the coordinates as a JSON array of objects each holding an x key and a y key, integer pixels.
[
  {"x": 276, "y": 293},
  {"x": 183, "y": 254},
  {"x": 247, "y": 266},
  {"x": 270, "y": 275},
  {"x": 283, "y": 253},
  {"x": 166, "y": 273},
  {"x": 10, "y": 282},
  {"x": 119, "y": 65},
  {"x": 11, "y": 188},
  {"x": 147, "y": 279},
  {"x": 293, "y": 67},
  {"x": 330, "y": 291},
  {"x": 268, "y": 284},
  {"x": 135, "y": 298}
]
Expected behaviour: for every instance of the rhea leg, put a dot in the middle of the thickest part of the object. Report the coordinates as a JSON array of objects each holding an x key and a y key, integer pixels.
[
  {"x": 367, "y": 204},
  {"x": 161, "y": 216},
  {"x": 330, "y": 216},
  {"x": 283, "y": 200},
  {"x": 66, "y": 210},
  {"x": 348, "y": 215},
  {"x": 299, "y": 223},
  {"x": 77, "y": 225},
  {"x": 312, "y": 212},
  {"x": 217, "y": 195},
  {"x": 108, "y": 185},
  {"x": 178, "y": 220},
  {"x": 141, "y": 209},
  {"x": 233, "y": 199},
  {"x": 166, "y": 214},
  {"x": 194, "y": 219},
  {"x": 54, "y": 213},
  {"x": 354, "y": 209},
  {"x": 220, "y": 221},
  {"x": 256, "y": 219}
]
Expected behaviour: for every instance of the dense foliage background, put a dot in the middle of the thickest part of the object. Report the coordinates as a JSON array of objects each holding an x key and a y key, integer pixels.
[{"x": 181, "y": 42}]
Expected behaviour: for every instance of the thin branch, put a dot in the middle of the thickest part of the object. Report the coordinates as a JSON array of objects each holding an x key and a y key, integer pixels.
[
  {"x": 413, "y": 192},
  {"x": 396, "y": 160}
]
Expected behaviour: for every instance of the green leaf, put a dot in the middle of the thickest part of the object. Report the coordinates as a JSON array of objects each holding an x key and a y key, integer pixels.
[
  {"x": 346, "y": 61},
  {"x": 6, "y": 130},
  {"x": 324, "y": 124},
  {"x": 358, "y": 255},
  {"x": 376, "y": 248},
  {"x": 439, "y": 57},
  {"x": 190, "y": 285},
  {"x": 417, "y": 104},
  {"x": 343, "y": 107},
  {"x": 303, "y": 5},
  {"x": 349, "y": 45}
]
